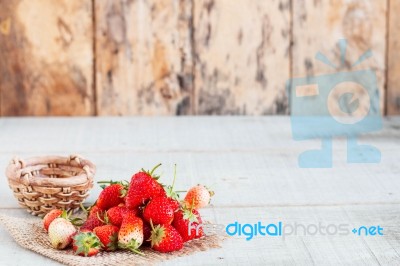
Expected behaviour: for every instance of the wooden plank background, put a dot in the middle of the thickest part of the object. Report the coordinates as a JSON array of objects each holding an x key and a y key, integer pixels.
[
  {"x": 318, "y": 25},
  {"x": 143, "y": 57},
  {"x": 393, "y": 74},
  {"x": 46, "y": 57},
  {"x": 241, "y": 56},
  {"x": 182, "y": 57}
]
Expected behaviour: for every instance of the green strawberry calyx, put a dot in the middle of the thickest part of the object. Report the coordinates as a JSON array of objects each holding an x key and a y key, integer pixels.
[
  {"x": 87, "y": 209},
  {"x": 151, "y": 172},
  {"x": 157, "y": 234},
  {"x": 67, "y": 215},
  {"x": 105, "y": 219},
  {"x": 112, "y": 245},
  {"x": 189, "y": 215},
  {"x": 124, "y": 183},
  {"x": 85, "y": 241}
]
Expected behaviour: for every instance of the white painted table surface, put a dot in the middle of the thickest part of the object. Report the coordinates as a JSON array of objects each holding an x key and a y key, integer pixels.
[{"x": 251, "y": 163}]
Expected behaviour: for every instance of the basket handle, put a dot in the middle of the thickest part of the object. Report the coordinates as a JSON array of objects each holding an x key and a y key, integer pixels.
[
  {"x": 25, "y": 177},
  {"x": 79, "y": 159},
  {"x": 20, "y": 164},
  {"x": 16, "y": 160},
  {"x": 75, "y": 157}
]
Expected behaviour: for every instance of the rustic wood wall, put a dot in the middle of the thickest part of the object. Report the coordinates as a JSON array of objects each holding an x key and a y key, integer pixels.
[
  {"x": 393, "y": 59},
  {"x": 180, "y": 57},
  {"x": 46, "y": 57}
]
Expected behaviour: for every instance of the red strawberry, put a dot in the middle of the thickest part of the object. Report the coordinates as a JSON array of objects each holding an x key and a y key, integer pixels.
[
  {"x": 198, "y": 197},
  {"x": 108, "y": 235},
  {"x": 49, "y": 217},
  {"x": 111, "y": 196},
  {"x": 187, "y": 222},
  {"x": 130, "y": 235},
  {"x": 92, "y": 222},
  {"x": 146, "y": 233},
  {"x": 159, "y": 211},
  {"x": 174, "y": 204},
  {"x": 86, "y": 244},
  {"x": 143, "y": 187},
  {"x": 94, "y": 210},
  {"x": 165, "y": 238},
  {"x": 116, "y": 214}
]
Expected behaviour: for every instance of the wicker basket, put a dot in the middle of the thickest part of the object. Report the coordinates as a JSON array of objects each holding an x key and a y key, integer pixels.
[{"x": 41, "y": 184}]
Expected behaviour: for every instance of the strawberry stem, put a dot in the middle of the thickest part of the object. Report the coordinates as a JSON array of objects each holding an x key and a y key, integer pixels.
[
  {"x": 132, "y": 246},
  {"x": 137, "y": 251},
  {"x": 170, "y": 189},
  {"x": 83, "y": 208},
  {"x": 154, "y": 168},
  {"x": 105, "y": 220},
  {"x": 151, "y": 224},
  {"x": 173, "y": 181}
]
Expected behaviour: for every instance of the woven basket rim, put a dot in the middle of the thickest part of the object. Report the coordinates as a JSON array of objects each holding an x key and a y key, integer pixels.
[{"x": 19, "y": 170}]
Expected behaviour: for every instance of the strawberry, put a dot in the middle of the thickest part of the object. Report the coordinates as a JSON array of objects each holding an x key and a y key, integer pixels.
[
  {"x": 60, "y": 233},
  {"x": 94, "y": 210},
  {"x": 165, "y": 238},
  {"x": 108, "y": 235},
  {"x": 86, "y": 244},
  {"x": 186, "y": 222},
  {"x": 49, "y": 217},
  {"x": 116, "y": 214},
  {"x": 198, "y": 197},
  {"x": 111, "y": 196},
  {"x": 92, "y": 222},
  {"x": 174, "y": 204},
  {"x": 130, "y": 235},
  {"x": 159, "y": 211},
  {"x": 143, "y": 187}
]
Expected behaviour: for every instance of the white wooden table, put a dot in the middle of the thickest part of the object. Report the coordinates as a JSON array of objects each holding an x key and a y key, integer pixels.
[{"x": 251, "y": 162}]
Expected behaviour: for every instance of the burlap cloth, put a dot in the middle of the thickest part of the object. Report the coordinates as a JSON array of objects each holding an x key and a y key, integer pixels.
[{"x": 29, "y": 234}]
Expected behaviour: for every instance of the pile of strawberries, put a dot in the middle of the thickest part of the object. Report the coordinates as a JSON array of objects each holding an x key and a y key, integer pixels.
[{"x": 130, "y": 215}]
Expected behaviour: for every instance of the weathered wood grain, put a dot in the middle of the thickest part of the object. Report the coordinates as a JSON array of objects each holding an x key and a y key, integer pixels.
[
  {"x": 231, "y": 154},
  {"x": 318, "y": 26},
  {"x": 393, "y": 74},
  {"x": 46, "y": 57},
  {"x": 241, "y": 56},
  {"x": 143, "y": 57}
]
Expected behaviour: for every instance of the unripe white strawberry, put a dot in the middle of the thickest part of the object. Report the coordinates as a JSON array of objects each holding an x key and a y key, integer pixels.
[
  {"x": 61, "y": 232},
  {"x": 198, "y": 197}
]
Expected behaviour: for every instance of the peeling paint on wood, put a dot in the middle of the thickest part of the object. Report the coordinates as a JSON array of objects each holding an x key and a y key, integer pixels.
[
  {"x": 46, "y": 57},
  {"x": 144, "y": 57},
  {"x": 241, "y": 56},
  {"x": 318, "y": 25},
  {"x": 178, "y": 57},
  {"x": 393, "y": 75}
]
